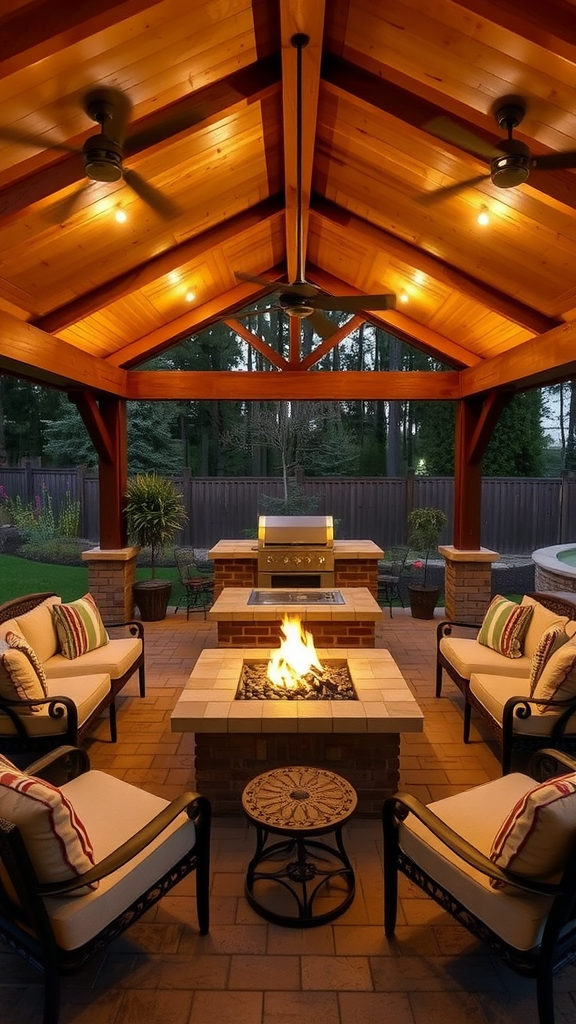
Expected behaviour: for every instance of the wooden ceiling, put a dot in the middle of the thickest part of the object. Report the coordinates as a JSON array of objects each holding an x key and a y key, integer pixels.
[{"x": 212, "y": 86}]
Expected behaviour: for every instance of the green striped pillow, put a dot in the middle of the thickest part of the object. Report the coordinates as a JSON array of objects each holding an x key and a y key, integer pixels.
[
  {"x": 79, "y": 627},
  {"x": 504, "y": 627}
]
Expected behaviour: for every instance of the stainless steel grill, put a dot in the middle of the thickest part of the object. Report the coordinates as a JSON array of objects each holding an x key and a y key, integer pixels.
[{"x": 295, "y": 551}]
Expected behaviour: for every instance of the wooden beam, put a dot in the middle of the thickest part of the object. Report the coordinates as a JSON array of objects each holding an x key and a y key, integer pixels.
[
  {"x": 191, "y": 114},
  {"x": 475, "y": 422},
  {"x": 299, "y": 121},
  {"x": 133, "y": 280},
  {"x": 493, "y": 299},
  {"x": 258, "y": 344},
  {"x": 306, "y": 385},
  {"x": 384, "y": 94},
  {"x": 37, "y": 30},
  {"x": 29, "y": 353},
  {"x": 113, "y": 476},
  {"x": 329, "y": 343},
  {"x": 541, "y": 361},
  {"x": 92, "y": 419},
  {"x": 551, "y": 26}
]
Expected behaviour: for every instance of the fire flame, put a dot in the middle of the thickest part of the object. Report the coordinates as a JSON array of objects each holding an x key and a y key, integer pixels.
[{"x": 295, "y": 657}]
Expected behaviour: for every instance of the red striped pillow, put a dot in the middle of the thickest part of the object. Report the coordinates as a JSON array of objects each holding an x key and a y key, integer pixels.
[
  {"x": 539, "y": 834},
  {"x": 504, "y": 627},
  {"x": 79, "y": 627},
  {"x": 56, "y": 840}
]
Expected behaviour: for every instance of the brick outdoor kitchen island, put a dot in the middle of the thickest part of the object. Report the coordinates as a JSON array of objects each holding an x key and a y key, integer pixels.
[
  {"x": 238, "y": 739},
  {"x": 343, "y": 617}
]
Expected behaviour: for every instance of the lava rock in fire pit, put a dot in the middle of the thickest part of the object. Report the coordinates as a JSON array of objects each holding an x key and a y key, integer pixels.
[{"x": 332, "y": 683}]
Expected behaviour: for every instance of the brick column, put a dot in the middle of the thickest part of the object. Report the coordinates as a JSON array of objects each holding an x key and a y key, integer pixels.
[
  {"x": 468, "y": 582},
  {"x": 111, "y": 576}
]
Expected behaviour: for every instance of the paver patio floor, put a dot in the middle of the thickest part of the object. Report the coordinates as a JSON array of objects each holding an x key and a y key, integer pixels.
[{"x": 247, "y": 971}]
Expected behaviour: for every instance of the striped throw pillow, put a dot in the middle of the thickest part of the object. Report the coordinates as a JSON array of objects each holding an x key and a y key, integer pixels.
[
  {"x": 56, "y": 840},
  {"x": 18, "y": 678},
  {"x": 504, "y": 627},
  {"x": 79, "y": 627},
  {"x": 20, "y": 644},
  {"x": 539, "y": 834},
  {"x": 550, "y": 642}
]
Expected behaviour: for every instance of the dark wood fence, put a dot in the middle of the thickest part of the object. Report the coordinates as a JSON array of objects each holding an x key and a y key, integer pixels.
[{"x": 518, "y": 515}]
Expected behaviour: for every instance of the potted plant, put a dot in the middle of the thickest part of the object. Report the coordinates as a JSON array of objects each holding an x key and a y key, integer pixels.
[
  {"x": 155, "y": 512},
  {"x": 425, "y": 526}
]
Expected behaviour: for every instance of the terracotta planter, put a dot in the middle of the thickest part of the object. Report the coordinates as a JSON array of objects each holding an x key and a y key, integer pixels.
[
  {"x": 151, "y": 597},
  {"x": 423, "y": 600}
]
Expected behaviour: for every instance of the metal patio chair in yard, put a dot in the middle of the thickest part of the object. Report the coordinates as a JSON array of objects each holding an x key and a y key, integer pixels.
[
  {"x": 197, "y": 581},
  {"x": 390, "y": 573}
]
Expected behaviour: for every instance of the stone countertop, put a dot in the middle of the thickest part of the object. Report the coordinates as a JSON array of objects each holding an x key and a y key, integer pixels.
[
  {"x": 385, "y": 703},
  {"x": 232, "y": 605},
  {"x": 227, "y": 549}
]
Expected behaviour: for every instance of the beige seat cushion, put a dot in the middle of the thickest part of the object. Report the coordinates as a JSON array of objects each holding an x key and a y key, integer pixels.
[
  {"x": 492, "y": 691},
  {"x": 477, "y": 816},
  {"x": 542, "y": 619},
  {"x": 115, "y": 658},
  {"x": 87, "y": 692},
  {"x": 468, "y": 656},
  {"x": 112, "y": 811}
]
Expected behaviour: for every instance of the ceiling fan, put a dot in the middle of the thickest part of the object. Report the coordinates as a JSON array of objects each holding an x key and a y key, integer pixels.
[
  {"x": 299, "y": 298},
  {"x": 103, "y": 152},
  {"x": 511, "y": 161}
]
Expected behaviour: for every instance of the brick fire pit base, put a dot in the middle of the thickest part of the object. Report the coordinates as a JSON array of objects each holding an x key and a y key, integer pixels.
[
  {"x": 238, "y": 739},
  {"x": 225, "y": 763}
]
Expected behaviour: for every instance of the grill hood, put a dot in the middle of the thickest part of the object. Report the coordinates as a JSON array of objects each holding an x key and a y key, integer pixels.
[{"x": 317, "y": 531}]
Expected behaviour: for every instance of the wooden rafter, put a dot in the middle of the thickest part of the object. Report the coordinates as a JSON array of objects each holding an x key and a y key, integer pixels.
[
  {"x": 258, "y": 344},
  {"x": 307, "y": 19}
]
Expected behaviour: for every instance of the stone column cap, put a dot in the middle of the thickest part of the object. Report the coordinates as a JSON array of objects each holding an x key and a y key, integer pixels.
[
  {"x": 452, "y": 554},
  {"x": 110, "y": 554}
]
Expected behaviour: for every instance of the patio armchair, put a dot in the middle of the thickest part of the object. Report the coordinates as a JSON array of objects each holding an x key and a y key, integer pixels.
[
  {"x": 500, "y": 859},
  {"x": 197, "y": 581},
  {"x": 84, "y": 855}
]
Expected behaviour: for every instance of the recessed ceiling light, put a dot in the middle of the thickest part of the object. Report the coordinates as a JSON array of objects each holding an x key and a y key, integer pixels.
[
  {"x": 403, "y": 296},
  {"x": 483, "y": 217},
  {"x": 190, "y": 296},
  {"x": 121, "y": 216}
]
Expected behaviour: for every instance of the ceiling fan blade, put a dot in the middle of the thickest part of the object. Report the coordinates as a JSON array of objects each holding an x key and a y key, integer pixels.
[
  {"x": 164, "y": 128},
  {"x": 555, "y": 161},
  {"x": 324, "y": 327},
  {"x": 38, "y": 141},
  {"x": 64, "y": 208},
  {"x": 450, "y": 190},
  {"x": 354, "y": 303},
  {"x": 158, "y": 202},
  {"x": 449, "y": 131},
  {"x": 254, "y": 279}
]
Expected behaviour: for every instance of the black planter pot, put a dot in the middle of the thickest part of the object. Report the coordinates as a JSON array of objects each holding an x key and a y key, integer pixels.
[
  {"x": 151, "y": 597},
  {"x": 423, "y": 600}
]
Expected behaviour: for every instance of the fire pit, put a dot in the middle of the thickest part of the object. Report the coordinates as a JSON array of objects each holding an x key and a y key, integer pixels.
[
  {"x": 295, "y": 672},
  {"x": 236, "y": 740}
]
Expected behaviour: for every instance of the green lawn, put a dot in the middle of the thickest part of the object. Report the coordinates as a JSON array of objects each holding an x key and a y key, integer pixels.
[{"x": 22, "y": 576}]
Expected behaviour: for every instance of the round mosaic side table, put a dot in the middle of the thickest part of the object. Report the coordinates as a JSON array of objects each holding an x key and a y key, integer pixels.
[{"x": 300, "y": 873}]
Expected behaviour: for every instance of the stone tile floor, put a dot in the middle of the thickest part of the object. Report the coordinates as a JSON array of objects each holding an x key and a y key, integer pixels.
[{"x": 247, "y": 971}]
